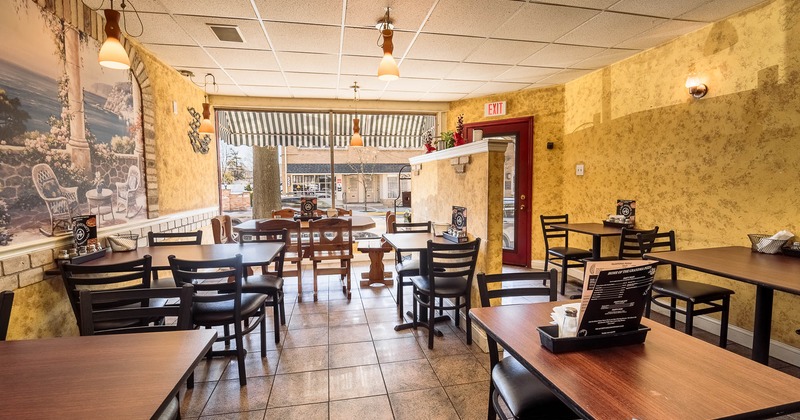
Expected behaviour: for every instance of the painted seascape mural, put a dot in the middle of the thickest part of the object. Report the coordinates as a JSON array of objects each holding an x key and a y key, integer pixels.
[{"x": 70, "y": 130}]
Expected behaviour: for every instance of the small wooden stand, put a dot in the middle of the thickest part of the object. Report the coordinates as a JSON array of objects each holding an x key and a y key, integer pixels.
[{"x": 375, "y": 249}]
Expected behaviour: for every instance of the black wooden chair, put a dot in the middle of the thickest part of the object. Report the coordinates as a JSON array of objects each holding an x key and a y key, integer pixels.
[
  {"x": 6, "y": 300},
  {"x": 171, "y": 239},
  {"x": 691, "y": 293},
  {"x": 218, "y": 302},
  {"x": 562, "y": 256},
  {"x": 123, "y": 276},
  {"x": 269, "y": 283},
  {"x": 523, "y": 393},
  {"x": 408, "y": 265},
  {"x": 451, "y": 268}
]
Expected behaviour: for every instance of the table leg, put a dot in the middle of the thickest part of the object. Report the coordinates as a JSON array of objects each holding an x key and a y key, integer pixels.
[
  {"x": 762, "y": 324},
  {"x": 376, "y": 269},
  {"x": 423, "y": 314},
  {"x": 596, "y": 247}
]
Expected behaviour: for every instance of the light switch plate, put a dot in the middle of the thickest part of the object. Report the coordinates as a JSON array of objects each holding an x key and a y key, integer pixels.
[
  {"x": 579, "y": 169},
  {"x": 175, "y": 107}
]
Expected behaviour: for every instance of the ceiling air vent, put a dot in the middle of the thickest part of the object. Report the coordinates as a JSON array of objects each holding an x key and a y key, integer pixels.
[{"x": 227, "y": 33}]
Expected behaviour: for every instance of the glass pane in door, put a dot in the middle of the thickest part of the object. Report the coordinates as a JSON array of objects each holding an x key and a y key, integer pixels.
[{"x": 509, "y": 193}]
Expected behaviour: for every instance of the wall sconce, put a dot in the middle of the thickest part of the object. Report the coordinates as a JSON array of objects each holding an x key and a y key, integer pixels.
[
  {"x": 112, "y": 53},
  {"x": 387, "y": 69},
  {"x": 695, "y": 87}
]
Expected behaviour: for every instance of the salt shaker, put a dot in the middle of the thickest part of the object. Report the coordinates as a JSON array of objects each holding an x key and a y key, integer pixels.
[{"x": 569, "y": 325}]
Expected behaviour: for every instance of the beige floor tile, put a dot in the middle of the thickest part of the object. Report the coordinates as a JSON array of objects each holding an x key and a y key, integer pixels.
[
  {"x": 372, "y": 408},
  {"x": 344, "y": 318},
  {"x": 409, "y": 375},
  {"x": 302, "y": 359},
  {"x": 310, "y": 308},
  {"x": 246, "y": 415},
  {"x": 446, "y": 345},
  {"x": 210, "y": 369},
  {"x": 229, "y": 397},
  {"x": 345, "y": 305},
  {"x": 385, "y": 331},
  {"x": 397, "y": 350},
  {"x": 471, "y": 401},
  {"x": 382, "y": 315},
  {"x": 299, "y": 412},
  {"x": 351, "y": 354},
  {"x": 355, "y": 382},
  {"x": 349, "y": 334},
  {"x": 386, "y": 302},
  {"x": 423, "y": 404},
  {"x": 378, "y": 291},
  {"x": 299, "y": 388},
  {"x": 302, "y": 321},
  {"x": 306, "y": 337},
  {"x": 254, "y": 365},
  {"x": 194, "y": 400},
  {"x": 458, "y": 369}
]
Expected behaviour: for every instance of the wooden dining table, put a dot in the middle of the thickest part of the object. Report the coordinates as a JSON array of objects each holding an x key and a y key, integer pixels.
[
  {"x": 253, "y": 254},
  {"x": 359, "y": 223},
  {"x": 597, "y": 231},
  {"x": 670, "y": 376},
  {"x": 768, "y": 272},
  {"x": 132, "y": 376}
]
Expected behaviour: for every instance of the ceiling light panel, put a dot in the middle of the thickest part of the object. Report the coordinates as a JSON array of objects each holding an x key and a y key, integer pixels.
[
  {"x": 257, "y": 78},
  {"x": 241, "y": 9},
  {"x": 608, "y": 29},
  {"x": 666, "y": 9},
  {"x": 443, "y": 47},
  {"x": 662, "y": 33},
  {"x": 316, "y": 11},
  {"x": 498, "y": 51},
  {"x": 426, "y": 69},
  {"x": 295, "y": 37},
  {"x": 181, "y": 56},
  {"x": 198, "y": 27},
  {"x": 542, "y": 22},
  {"x": 719, "y": 9},
  {"x": 365, "y": 42},
  {"x": 244, "y": 59},
  {"x": 406, "y": 15},
  {"x": 471, "y": 71},
  {"x": 306, "y": 62},
  {"x": 557, "y": 55},
  {"x": 469, "y": 17}
]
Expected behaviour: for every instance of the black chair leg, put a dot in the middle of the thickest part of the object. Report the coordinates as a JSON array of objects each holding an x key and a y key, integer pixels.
[
  {"x": 400, "y": 293},
  {"x": 283, "y": 307},
  {"x": 492, "y": 415},
  {"x": 723, "y": 323},
  {"x": 413, "y": 308},
  {"x": 689, "y": 317},
  {"x": 240, "y": 353},
  {"x": 647, "y": 303},
  {"x": 227, "y": 331},
  {"x": 431, "y": 321},
  {"x": 457, "y": 315},
  {"x": 563, "y": 276},
  {"x": 276, "y": 322},
  {"x": 441, "y": 311},
  {"x": 468, "y": 305},
  {"x": 673, "y": 304}
]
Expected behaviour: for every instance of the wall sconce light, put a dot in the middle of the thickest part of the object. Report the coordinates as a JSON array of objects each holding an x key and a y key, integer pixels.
[
  {"x": 206, "y": 126},
  {"x": 112, "y": 53},
  {"x": 356, "y": 140},
  {"x": 695, "y": 87},
  {"x": 387, "y": 69}
]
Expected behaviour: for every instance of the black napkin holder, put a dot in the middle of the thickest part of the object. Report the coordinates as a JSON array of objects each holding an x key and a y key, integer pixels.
[{"x": 555, "y": 344}]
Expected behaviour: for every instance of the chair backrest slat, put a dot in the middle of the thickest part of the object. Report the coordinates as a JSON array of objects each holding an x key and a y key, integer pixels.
[
  {"x": 295, "y": 239},
  {"x": 629, "y": 243},
  {"x": 174, "y": 238},
  {"x": 447, "y": 261},
  {"x": 221, "y": 228},
  {"x": 425, "y": 227},
  {"x": 268, "y": 236},
  {"x": 6, "y": 301},
  {"x": 659, "y": 242},
  {"x": 331, "y": 235},
  {"x": 553, "y": 233},
  {"x": 210, "y": 276}
]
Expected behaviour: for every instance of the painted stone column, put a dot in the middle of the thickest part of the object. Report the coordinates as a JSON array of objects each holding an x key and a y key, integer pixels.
[{"x": 77, "y": 146}]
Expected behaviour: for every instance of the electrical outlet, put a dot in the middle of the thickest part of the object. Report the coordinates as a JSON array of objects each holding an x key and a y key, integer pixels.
[{"x": 579, "y": 169}]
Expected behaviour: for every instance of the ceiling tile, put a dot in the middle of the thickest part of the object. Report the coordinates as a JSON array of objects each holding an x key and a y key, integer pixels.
[
  {"x": 469, "y": 17},
  {"x": 200, "y": 74},
  {"x": 244, "y": 59},
  {"x": 212, "y": 8},
  {"x": 411, "y": 85},
  {"x": 267, "y": 91},
  {"x": 667, "y": 9},
  {"x": 198, "y": 28},
  {"x": 564, "y": 76},
  {"x": 719, "y": 9},
  {"x": 365, "y": 95},
  {"x": 497, "y": 51},
  {"x": 526, "y": 74},
  {"x": 589, "y": 4},
  {"x": 662, "y": 33},
  {"x": 406, "y": 15},
  {"x": 364, "y": 83},
  {"x": 257, "y": 78},
  {"x": 362, "y": 66},
  {"x": 557, "y": 55},
  {"x": 542, "y": 22},
  {"x": 442, "y": 97},
  {"x": 608, "y": 29},
  {"x": 302, "y": 62},
  {"x": 181, "y": 56},
  {"x": 400, "y": 96},
  {"x": 314, "y": 93},
  {"x": 469, "y": 71},
  {"x": 456, "y": 86},
  {"x": 304, "y": 38},
  {"x": 443, "y": 47},
  {"x": 317, "y": 11},
  {"x": 311, "y": 80},
  {"x": 157, "y": 29},
  {"x": 497, "y": 87},
  {"x": 426, "y": 69},
  {"x": 228, "y": 90},
  {"x": 604, "y": 58},
  {"x": 152, "y": 6},
  {"x": 364, "y": 42}
]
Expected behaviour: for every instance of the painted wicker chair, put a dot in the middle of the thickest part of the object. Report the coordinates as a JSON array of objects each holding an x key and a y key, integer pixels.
[
  {"x": 126, "y": 192},
  {"x": 62, "y": 202}
]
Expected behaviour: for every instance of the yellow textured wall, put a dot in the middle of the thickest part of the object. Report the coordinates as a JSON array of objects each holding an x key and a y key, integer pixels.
[
  {"x": 186, "y": 180},
  {"x": 712, "y": 169}
]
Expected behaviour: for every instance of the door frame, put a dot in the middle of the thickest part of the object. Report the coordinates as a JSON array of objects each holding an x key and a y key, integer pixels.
[{"x": 524, "y": 184}]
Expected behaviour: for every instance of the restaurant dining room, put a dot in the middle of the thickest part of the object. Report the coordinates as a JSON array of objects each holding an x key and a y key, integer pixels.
[{"x": 430, "y": 209}]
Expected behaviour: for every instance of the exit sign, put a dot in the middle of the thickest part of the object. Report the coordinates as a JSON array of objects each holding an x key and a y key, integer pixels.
[{"x": 493, "y": 109}]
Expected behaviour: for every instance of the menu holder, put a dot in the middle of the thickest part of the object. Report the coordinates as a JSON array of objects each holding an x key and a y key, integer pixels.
[
  {"x": 616, "y": 224},
  {"x": 307, "y": 218},
  {"x": 80, "y": 259},
  {"x": 452, "y": 238},
  {"x": 555, "y": 344}
]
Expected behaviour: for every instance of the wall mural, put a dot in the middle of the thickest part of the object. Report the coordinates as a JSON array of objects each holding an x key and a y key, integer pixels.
[{"x": 70, "y": 130}]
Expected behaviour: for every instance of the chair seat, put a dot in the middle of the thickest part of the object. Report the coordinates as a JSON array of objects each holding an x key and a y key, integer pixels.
[
  {"x": 409, "y": 267},
  {"x": 571, "y": 253},
  {"x": 218, "y": 313},
  {"x": 690, "y": 290},
  {"x": 172, "y": 410},
  {"x": 264, "y": 283},
  {"x": 445, "y": 287},
  {"x": 525, "y": 395}
]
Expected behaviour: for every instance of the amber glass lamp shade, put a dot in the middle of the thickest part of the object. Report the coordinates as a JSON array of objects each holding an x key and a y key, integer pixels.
[
  {"x": 356, "y": 140},
  {"x": 112, "y": 53},
  {"x": 387, "y": 69},
  {"x": 206, "y": 126}
]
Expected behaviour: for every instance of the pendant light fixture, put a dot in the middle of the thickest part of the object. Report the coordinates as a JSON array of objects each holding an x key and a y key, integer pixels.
[
  {"x": 112, "y": 53},
  {"x": 206, "y": 126},
  {"x": 387, "y": 69},
  {"x": 356, "y": 140}
]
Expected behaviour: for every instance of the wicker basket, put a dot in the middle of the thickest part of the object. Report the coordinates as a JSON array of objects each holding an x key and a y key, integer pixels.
[
  {"x": 765, "y": 245},
  {"x": 123, "y": 242}
]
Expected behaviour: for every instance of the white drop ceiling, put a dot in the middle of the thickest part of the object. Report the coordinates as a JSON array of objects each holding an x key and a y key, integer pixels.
[{"x": 447, "y": 49}]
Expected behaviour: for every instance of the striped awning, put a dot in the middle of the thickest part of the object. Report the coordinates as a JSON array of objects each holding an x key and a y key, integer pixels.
[{"x": 312, "y": 130}]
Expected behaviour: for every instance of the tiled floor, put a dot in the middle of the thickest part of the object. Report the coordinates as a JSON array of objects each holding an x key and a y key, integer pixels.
[{"x": 343, "y": 360}]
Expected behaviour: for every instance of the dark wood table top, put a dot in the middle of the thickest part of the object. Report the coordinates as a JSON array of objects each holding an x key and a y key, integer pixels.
[
  {"x": 412, "y": 241},
  {"x": 97, "y": 377},
  {"x": 671, "y": 376},
  {"x": 258, "y": 253},
  {"x": 359, "y": 223},
  {"x": 775, "y": 271},
  {"x": 596, "y": 229}
]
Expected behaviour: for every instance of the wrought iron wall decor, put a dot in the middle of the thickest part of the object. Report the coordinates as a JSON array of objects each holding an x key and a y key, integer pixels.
[{"x": 199, "y": 143}]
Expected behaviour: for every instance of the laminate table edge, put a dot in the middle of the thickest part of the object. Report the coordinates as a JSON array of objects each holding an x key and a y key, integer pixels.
[{"x": 176, "y": 388}]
